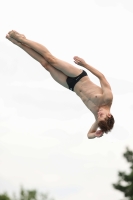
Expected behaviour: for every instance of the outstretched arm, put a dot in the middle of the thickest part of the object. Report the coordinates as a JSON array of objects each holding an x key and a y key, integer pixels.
[
  {"x": 107, "y": 93},
  {"x": 81, "y": 62}
]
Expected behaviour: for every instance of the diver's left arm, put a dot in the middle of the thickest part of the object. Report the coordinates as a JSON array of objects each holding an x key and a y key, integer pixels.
[{"x": 93, "y": 132}]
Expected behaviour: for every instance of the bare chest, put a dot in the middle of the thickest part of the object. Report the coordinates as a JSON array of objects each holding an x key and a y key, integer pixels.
[{"x": 90, "y": 94}]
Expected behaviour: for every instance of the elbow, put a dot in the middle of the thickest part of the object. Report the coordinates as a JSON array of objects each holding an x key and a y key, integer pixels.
[
  {"x": 91, "y": 138},
  {"x": 88, "y": 136},
  {"x": 91, "y": 135}
]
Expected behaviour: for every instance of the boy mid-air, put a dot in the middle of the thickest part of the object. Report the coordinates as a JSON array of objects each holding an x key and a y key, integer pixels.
[{"x": 97, "y": 99}]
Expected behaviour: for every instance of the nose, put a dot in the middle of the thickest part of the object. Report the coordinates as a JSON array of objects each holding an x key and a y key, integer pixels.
[{"x": 99, "y": 112}]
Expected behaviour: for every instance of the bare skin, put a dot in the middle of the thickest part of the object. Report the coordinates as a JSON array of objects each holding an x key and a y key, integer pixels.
[{"x": 97, "y": 99}]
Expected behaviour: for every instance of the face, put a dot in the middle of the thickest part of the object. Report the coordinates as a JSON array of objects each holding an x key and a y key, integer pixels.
[{"x": 102, "y": 114}]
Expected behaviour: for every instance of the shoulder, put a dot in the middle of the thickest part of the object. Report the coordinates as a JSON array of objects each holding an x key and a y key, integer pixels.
[
  {"x": 104, "y": 83},
  {"x": 108, "y": 96},
  {"x": 106, "y": 88}
]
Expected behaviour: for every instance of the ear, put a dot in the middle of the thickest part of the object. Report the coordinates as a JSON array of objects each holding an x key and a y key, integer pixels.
[{"x": 109, "y": 115}]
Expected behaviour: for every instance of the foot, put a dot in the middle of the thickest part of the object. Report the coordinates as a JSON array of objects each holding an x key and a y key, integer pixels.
[
  {"x": 17, "y": 36},
  {"x": 13, "y": 40}
]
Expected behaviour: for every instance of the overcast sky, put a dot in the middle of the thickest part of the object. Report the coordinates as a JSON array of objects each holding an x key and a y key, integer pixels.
[{"x": 43, "y": 126}]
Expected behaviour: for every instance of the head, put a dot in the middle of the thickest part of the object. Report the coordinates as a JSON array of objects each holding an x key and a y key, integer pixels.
[{"x": 105, "y": 120}]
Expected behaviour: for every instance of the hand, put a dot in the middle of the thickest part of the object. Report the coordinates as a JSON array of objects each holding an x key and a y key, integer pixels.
[
  {"x": 99, "y": 133},
  {"x": 79, "y": 61}
]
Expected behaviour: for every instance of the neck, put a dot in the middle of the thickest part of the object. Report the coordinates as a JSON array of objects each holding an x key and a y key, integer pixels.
[{"x": 104, "y": 107}]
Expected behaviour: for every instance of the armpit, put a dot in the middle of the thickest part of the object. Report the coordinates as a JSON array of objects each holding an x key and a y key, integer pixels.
[{"x": 108, "y": 96}]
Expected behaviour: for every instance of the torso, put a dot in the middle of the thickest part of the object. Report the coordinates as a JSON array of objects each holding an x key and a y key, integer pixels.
[{"x": 90, "y": 93}]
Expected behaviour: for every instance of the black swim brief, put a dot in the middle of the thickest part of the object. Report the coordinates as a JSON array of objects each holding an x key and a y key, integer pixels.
[{"x": 71, "y": 81}]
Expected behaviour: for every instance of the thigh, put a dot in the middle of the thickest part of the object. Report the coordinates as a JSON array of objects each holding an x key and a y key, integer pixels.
[
  {"x": 66, "y": 68},
  {"x": 58, "y": 76}
]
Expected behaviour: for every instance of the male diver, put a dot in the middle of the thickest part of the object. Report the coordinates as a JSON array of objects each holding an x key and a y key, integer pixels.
[{"x": 97, "y": 99}]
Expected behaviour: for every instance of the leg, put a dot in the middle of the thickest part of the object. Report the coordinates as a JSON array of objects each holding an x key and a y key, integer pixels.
[
  {"x": 65, "y": 67},
  {"x": 57, "y": 75}
]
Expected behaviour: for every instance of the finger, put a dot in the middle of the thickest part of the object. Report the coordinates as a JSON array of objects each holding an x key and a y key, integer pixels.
[
  {"x": 77, "y": 60},
  {"x": 75, "y": 57}
]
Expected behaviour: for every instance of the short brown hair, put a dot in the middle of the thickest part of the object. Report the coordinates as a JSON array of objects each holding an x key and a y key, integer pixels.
[{"x": 107, "y": 124}]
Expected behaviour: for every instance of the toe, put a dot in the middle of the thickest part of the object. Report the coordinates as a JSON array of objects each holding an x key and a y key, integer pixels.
[
  {"x": 14, "y": 31},
  {"x": 76, "y": 57},
  {"x": 7, "y": 36},
  {"x": 9, "y": 31}
]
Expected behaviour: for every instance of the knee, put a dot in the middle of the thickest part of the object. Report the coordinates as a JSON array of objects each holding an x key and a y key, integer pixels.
[
  {"x": 45, "y": 64},
  {"x": 51, "y": 59}
]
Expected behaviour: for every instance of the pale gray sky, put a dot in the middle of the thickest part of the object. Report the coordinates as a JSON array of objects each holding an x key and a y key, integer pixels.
[{"x": 43, "y": 126}]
